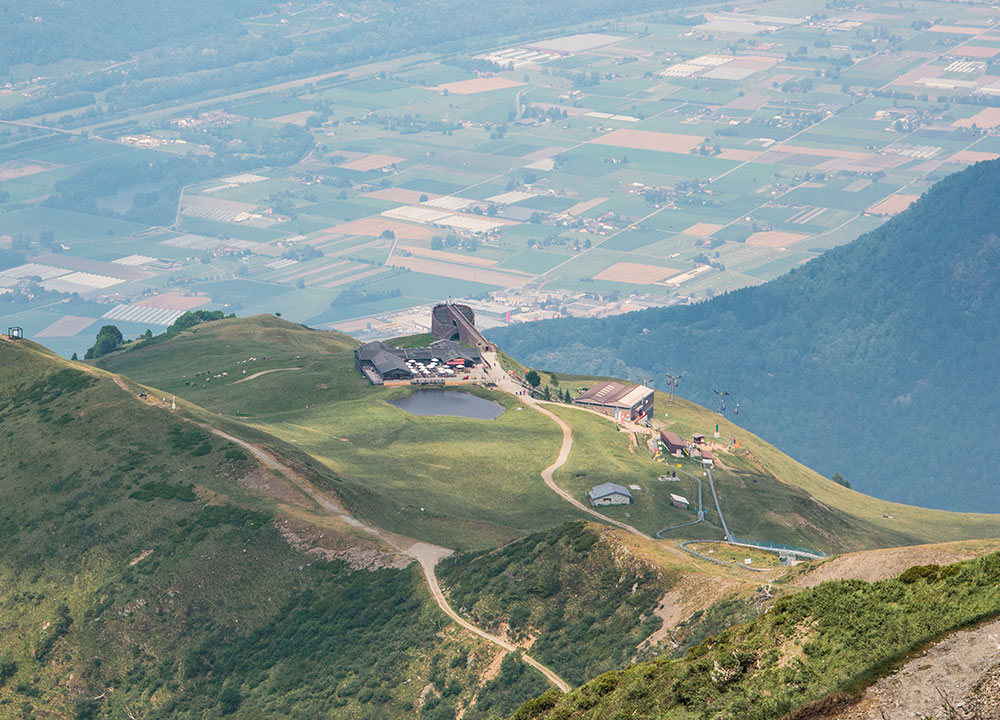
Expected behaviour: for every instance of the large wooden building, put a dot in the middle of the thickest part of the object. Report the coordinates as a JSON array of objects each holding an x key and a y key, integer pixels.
[{"x": 622, "y": 402}]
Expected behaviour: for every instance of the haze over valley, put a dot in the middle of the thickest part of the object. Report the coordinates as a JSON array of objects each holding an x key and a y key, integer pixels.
[{"x": 470, "y": 361}]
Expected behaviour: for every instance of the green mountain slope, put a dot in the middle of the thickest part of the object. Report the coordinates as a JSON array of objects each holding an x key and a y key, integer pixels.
[
  {"x": 147, "y": 567},
  {"x": 875, "y": 360},
  {"x": 835, "y": 638},
  {"x": 476, "y": 481},
  {"x": 460, "y": 483}
]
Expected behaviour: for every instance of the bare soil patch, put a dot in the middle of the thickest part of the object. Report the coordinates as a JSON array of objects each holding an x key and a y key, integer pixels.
[
  {"x": 66, "y": 326},
  {"x": 635, "y": 273},
  {"x": 955, "y": 29},
  {"x": 15, "y": 169},
  {"x": 477, "y": 85},
  {"x": 375, "y": 226},
  {"x": 872, "y": 565},
  {"x": 987, "y": 118},
  {"x": 370, "y": 162},
  {"x": 651, "y": 140},
  {"x": 969, "y": 157},
  {"x": 325, "y": 543},
  {"x": 262, "y": 482},
  {"x": 702, "y": 230},
  {"x": 585, "y": 205},
  {"x": 961, "y": 670},
  {"x": 749, "y": 101},
  {"x": 173, "y": 301},
  {"x": 893, "y": 204},
  {"x": 976, "y": 51},
  {"x": 774, "y": 238}
]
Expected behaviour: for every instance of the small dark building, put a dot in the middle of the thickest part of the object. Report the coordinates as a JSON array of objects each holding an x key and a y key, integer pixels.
[
  {"x": 673, "y": 443},
  {"x": 699, "y": 439}
]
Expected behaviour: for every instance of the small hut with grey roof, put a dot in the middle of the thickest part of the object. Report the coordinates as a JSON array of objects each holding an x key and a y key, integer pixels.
[{"x": 610, "y": 494}]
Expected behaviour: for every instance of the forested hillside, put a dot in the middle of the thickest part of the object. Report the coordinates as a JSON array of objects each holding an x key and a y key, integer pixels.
[{"x": 876, "y": 360}]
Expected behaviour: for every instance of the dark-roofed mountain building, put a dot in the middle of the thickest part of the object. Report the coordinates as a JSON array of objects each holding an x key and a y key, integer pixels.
[
  {"x": 439, "y": 362},
  {"x": 622, "y": 402},
  {"x": 673, "y": 443}
]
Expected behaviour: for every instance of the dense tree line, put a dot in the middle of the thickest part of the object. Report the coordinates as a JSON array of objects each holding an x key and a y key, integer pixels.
[
  {"x": 876, "y": 360},
  {"x": 239, "y": 60},
  {"x": 44, "y": 31}
]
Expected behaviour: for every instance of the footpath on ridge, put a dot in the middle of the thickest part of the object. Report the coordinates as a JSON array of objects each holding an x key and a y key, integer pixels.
[{"x": 427, "y": 554}]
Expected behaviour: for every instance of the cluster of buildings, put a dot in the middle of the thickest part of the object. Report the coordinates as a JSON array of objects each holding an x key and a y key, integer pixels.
[
  {"x": 440, "y": 361},
  {"x": 455, "y": 353},
  {"x": 674, "y": 444}
]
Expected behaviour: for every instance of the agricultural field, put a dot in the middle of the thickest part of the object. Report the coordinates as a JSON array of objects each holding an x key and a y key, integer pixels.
[{"x": 656, "y": 159}]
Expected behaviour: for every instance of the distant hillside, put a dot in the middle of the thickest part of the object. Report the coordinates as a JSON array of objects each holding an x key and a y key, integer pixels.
[{"x": 876, "y": 360}]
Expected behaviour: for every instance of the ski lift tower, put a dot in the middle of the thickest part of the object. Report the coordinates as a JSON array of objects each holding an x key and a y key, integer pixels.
[{"x": 15, "y": 333}]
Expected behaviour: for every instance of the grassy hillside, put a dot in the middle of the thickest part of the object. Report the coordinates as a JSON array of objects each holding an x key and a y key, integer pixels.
[
  {"x": 765, "y": 494},
  {"x": 838, "y": 636},
  {"x": 873, "y": 360},
  {"x": 477, "y": 481},
  {"x": 461, "y": 483},
  {"x": 149, "y": 564}
]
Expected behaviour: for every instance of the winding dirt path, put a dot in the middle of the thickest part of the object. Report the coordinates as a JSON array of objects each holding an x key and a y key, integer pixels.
[
  {"x": 564, "y": 451},
  {"x": 428, "y": 560},
  {"x": 427, "y": 554},
  {"x": 506, "y": 383},
  {"x": 262, "y": 372}
]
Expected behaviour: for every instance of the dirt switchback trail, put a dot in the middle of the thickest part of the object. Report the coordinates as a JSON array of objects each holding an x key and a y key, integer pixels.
[
  {"x": 426, "y": 554},
  {"x": 428, "y": 559},
  {"x": 506, "y": 383},
  {"x": 564, "y": 451}
]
